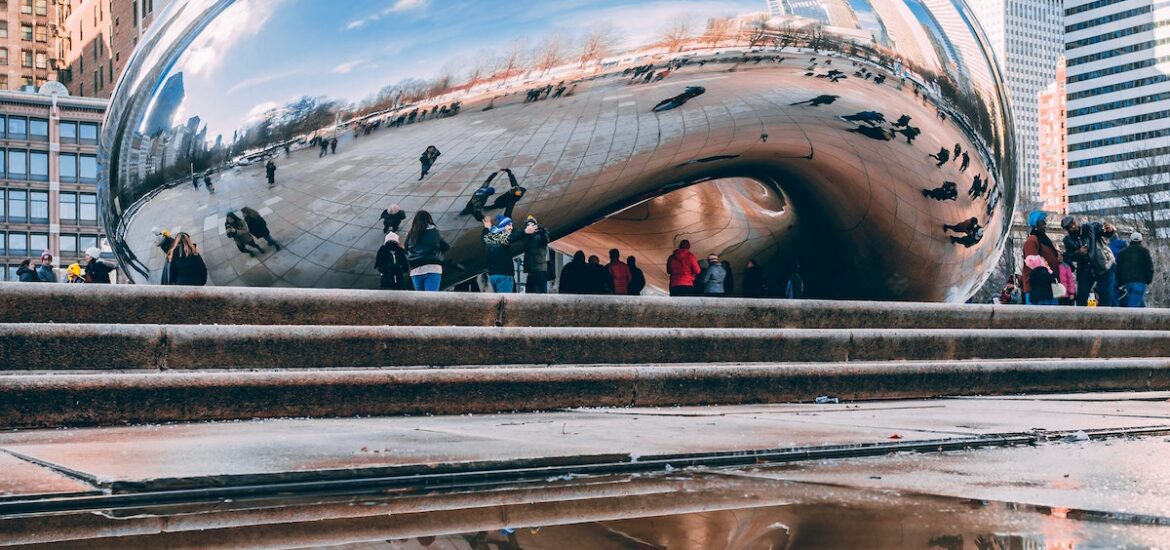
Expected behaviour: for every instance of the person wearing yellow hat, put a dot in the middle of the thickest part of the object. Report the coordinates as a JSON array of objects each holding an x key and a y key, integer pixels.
[{"x": 73, "y": 273}]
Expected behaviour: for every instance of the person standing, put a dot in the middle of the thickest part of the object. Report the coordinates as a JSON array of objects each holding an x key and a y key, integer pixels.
[
  {"x": 237, "y": 230},
  {"x": 73, "y": 274},
  {"x": 794, "y": 289},
  {"x": 597, "y": 279},
  {"x": 96, "y": 269},
  {"x": 637, "y": 278},
  {"x": 497, "y": 240},
  {"x": 729, "y": 281},
  {"x": 682, "y": 267},
  {"x": 1039, "y": 279},
  {"x": 186, "y": 265},
  {"x": 270, "y": 171},
  {"x": 754, "y": 285},
  {"x": 208, "y": 183},
  {"x": 25, "y": 273},
  {"x": 392, "y": 264},
  {"x": 392, "y": 218},
  {"x": 712, "y": 279},
  {"x": 333, "y": 146},
  {"x": 324, "y": 145},
  {"x": 1038, "y": 244},
  {"x": 1068, "y": 278},
  {"x": 535, "y": 257},
  {"x": 574, "y": 275},
  {"x": 427, "y": 159},
  {"x": 1135, "y": 271},
  {"x": 1076, "y": 253},
  {"x": 425, "y": 248},
  {"x": 619, "y": 273},
  {"x": 45, "y": 272},
  {"x": 258, "y": 227}
]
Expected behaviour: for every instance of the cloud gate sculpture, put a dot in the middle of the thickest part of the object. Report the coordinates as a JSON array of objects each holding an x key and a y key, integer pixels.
[{"x": 866, "y": 141}]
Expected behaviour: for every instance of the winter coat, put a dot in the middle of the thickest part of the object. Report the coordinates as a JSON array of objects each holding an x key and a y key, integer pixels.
[
  {"x": 1134, "y": 265},
  {"x": 257, "y": 226},
  {"x": 683, "y": 267},
  {"x": 428, "y": 250},
  {"x": 712, "y": 279},
  {"x": 188, "y": 270},
  {"x": 45, "y": 274},
  {"x": 238, "y": 231},
  {"x": 753, "y": 282},
  {"x": 536, "y": 251},
  {"x": 574, "y": 278},
  {"x": 637, "y": 281},
  {"x": 391, "y": 262},
  {"x": 597, "y": 280},
  {"x": 1068, "y": 278},
  {"x": 26, "y": 275},
  {"x": 1034, "y": 246},
  {"x": 393, "y": 220},
  {"x": 97, "y": 271},
  {"x": 1041, "y": 284},
  {"x": 1072, "y": 255},
  {"x": 619, "y": 274},
  {"x": 499, "y": 251}
]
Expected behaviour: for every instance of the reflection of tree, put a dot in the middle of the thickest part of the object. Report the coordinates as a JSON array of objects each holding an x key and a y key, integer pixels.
[
  {"x": 548, "y": 54},
  {"x": 300, "y": 116},
  {"x": 595, "y": 45},
  {"x": 677, "y": 33},
  {"x": 757, "y": 34},
  {"x": 718, "y": 30},
  {"x": 513, "y": 61}
]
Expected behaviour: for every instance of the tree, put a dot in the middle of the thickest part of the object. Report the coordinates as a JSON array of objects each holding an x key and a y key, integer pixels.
[
  {"x": 677, "y": 33},
  {"x": 757, "y": 34},
  {"x": 1141, "y": 193},
  {"x": 548, "y": 54},
  {"x": 514, "y": 60},
  {"x": 718, "y": 30},
  {"x": 785, "y": 36},
  {"x": 595, "y": 45}
]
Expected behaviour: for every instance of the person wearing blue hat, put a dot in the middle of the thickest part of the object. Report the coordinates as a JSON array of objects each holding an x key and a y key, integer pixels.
[
  {"x": 497, "y": 240},
  {"x": 1038, "y": 244}
]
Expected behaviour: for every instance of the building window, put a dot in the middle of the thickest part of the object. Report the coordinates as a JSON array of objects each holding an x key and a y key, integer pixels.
[
  {"x": 38, "y": 129},
  {"x": 17, "y": 127},
  {"x": 37, "y": 242},
  {"x": 67, "y": 204},
  {"x": 38, "y": 207},
  {"x": 88, "y": 133},
  {"x": 42, "y": 33},
  {"x": 38, "y": 166},
  {"x": 26, "y": 32},
  {"x": 3, "y": 29},
  {"x": 67, "y": 131},
  {"x": 17, "y": 164},
  {"x": 87, "y": 169},
  {"x": 87, "y": 208},
  {"x": 67, "y": 244},
  {"x": 85, "y": 242},
  {"x": 17, "y": 206},
  {"x": 17, "y": 245},
  {"x": 26, "y": 80},
  {"x": 26, "y": 58},
  {"x": 67, "y": 165},
  {"x": 26, "y": 7},
  {"x": 3, "y": 56},
  {"x": 42, "y": 7}
]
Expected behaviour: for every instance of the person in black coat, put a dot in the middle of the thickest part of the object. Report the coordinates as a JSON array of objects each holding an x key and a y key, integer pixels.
[
  {"x": 637, "y": 278},
  {"x": 597, "y": 277},
  {"x": 186, "y": 265},
  {"x": 427, "y": 159},
  {"x": 270, "y": 171},
  {"x": 392, "y": 218},
  {"x": 258, "y": 227},
  {"x": 96, "y": 269},
  {"x": 25, "y": 273},
  {"x": 575, "y": 275},
  {"x": 754, "y": 284},
  {"x": 391, "y": 262},
  {"x": 508, "y": 199}
]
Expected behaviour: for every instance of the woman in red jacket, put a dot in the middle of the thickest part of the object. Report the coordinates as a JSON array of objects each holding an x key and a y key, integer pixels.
[{"x": 683, "y": 267}]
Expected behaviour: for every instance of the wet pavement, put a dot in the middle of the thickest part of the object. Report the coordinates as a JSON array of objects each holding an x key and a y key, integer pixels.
[{"x": 1012, "y": 472}]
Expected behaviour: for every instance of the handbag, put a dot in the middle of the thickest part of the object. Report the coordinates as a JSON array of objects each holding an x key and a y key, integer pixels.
[{"x": 1058, "y": 291}]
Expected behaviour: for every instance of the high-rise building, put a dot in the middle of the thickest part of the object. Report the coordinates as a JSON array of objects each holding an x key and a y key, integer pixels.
[
  {"x": 1027, "y": 37},
  {"x": 29, "y": 43},
  {"x": 1118, "y": 106},
  {"x": 1053, "y": 145},
  {"x": 100, "y": 35},
  {"x": 48, "y": 177}
]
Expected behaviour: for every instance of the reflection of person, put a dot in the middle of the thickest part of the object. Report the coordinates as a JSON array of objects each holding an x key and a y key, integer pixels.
[
  {"x": 207, "y": 183},
  {"x": 479, "y": 198},
  {"x": 270, "y": 171},
  {"x": 392, "y": 217},
  {"x": 966, "y": 162},
  {"x": 535, "y": 257},
  {"x": 943, "y": 155},
  {"x": 237, "y": 230},
  {"x": 427, "y": 159},
  {"x": 333, "y": 146},
  {"x": 508, "y": 200},
  {"x": 691, "y": 92},
  {"x": 947, "y": 192},
  {"x": 258, "y": 227}
]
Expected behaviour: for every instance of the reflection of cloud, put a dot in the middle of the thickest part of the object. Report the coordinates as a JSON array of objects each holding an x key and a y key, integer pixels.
[
  {"x": 399, "y": 6},
  {"x": 348, "y": 66},
  {"x": 262, "y": 79},
  {"x": 260, "y": 109},
  {"x": 630, "y": 22},
  {"x": 237, "y": 22}
]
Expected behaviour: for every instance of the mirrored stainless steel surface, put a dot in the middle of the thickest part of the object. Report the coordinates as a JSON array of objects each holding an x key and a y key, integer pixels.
[{"x": 865, "y": 140}]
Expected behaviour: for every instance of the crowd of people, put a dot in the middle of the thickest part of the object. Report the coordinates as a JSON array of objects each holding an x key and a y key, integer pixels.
[
  {"x": 96, "y": 270},
  {"x": 1094, "y": 266}
]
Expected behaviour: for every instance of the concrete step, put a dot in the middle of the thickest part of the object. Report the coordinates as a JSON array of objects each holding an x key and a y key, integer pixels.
[
  {"x": 38, "y": 399},
  {"x": 181, "y": 347},
  {"x": 97, "y": 304}
]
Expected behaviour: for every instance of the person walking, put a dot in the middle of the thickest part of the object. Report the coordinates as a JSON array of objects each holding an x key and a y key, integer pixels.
[
  {"x": 1038, "y": 244},
  {"x": 427, "y": 159},
  {"x": 712, "y": 279},
  {"x": 535, "y": 257},
  {"x": 425, "y": 248},
  {"x": 754, "y": 284},
  {"x": 497, "y": 240},
  {"x": 186, "y": 265},
  {"x": 324, "y": 145},
  {"x": 25, "y": 273},
  {"x": 637, "y": 278},
  {"x": 1135, "y": 271},
  {"x": 574, "y": 275},
  {"x": 258, "y": 227},
  {"x": 333, "y": 146},
  {"x": 392, "y": 217},
  {"x": 392, "y": 264},
  {"x": 45, "y": 273},
  {"x": 270, "y": 171},
  {"x": 237, "y": 230},
  {"x": 682, "y": 266},
  {"x": 208, "y": 183},
  {"x": 1040, "y": 279},
  {"x": 619, "y": 273},
  {"x": 96, "y": 269}
]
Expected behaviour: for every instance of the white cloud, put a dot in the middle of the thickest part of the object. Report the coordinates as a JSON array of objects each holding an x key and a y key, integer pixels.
[
  {"x": 349, "y": 66},
  {"x": 241, "y": 20},
  {"x": 399, "y": 6},
  {"x": 260, "y": 109}
]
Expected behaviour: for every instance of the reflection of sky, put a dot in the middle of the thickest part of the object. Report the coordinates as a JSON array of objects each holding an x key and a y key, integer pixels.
[
  {"x": 938, "y": 38},
  {"x": 868, "y": 20},
  {"x": 263, "y": 53}
]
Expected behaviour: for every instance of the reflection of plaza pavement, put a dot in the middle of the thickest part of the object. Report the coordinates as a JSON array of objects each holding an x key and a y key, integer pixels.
[{"x": 585, "y": 156}]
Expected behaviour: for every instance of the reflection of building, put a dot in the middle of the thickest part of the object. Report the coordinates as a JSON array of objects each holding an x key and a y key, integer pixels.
[
  {"x": 163, "y": 111},
  {"x": 1118, "y": 103},
  {"x": 1026, "y": 36},
  {"x": 29, "y": 44},
  {"x": 830, "y": 12},
  {"x": 99, "y": 36},
  {"x": 1053, "y": 175},
  {"x": 48, "y": 182}
]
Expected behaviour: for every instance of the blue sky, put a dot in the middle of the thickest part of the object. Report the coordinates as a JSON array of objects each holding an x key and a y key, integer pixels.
[{"x": 261, "y": 53}]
